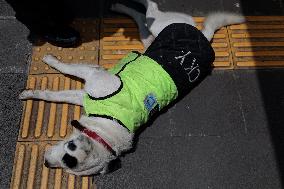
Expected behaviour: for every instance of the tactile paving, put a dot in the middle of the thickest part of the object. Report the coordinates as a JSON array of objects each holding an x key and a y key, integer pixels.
[
  {"x": 87, "y": 52},
  {"x": 220, "y": 44},
  {"x": 29, "y": 171},
  {"x": 259, "y": 42},
  {"x": 119, "y": 36},
  {"x": 48, "y": 120}
]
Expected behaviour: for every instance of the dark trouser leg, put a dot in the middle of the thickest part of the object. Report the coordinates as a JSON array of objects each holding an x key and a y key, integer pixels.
[{"x": 48, "y": 18}]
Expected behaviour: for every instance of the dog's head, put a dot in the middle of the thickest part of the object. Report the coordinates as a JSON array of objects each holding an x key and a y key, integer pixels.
[{"x": 79, "y": 155}]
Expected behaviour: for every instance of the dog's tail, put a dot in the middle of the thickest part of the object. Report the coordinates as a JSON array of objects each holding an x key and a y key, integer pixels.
[{"x": 215, "y": 21}]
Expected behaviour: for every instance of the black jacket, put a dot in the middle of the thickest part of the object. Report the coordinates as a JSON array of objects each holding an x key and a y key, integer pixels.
[{"x": 184, "y": 52}]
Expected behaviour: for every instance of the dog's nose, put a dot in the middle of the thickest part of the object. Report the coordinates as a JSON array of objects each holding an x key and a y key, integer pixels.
[{"x": 46, "y": 164}]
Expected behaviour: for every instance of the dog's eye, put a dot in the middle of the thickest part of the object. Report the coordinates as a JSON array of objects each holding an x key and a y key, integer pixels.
[
  {"x": 69, "y": 161},
  {"x": 71, "y": 146}
]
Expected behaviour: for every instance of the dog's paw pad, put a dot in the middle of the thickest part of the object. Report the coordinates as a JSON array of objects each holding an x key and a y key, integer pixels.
[{"x": 26, "y": 94}]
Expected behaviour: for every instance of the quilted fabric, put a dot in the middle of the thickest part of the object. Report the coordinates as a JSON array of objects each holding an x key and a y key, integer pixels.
[
  {"x": 184, "y": 52},
  {"x": 145, "y": 89}
]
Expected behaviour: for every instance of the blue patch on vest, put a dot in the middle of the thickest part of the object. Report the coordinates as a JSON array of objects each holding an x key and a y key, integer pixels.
[{"x": 151, "y": 104}]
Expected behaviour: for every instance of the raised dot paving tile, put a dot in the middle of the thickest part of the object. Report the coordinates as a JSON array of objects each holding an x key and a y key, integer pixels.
[{"x": 87, "y": 52}]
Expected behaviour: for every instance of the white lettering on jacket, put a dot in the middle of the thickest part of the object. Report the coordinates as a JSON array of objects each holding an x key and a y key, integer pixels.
[{"x": 192, "y": 70}]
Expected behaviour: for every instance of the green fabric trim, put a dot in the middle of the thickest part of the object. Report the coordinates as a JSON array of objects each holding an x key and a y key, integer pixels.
[{"x": 146, "y": 87}]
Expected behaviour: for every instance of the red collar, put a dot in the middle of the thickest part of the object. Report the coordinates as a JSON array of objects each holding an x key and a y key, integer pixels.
[{"x": 93, "y": 135}]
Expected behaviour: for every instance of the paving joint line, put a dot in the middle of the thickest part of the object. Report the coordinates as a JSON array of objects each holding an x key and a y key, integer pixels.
[{"x": 7, "y": 18}]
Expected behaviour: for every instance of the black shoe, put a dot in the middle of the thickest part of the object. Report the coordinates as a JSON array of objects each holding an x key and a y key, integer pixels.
[{"x": 62, "y": 36}]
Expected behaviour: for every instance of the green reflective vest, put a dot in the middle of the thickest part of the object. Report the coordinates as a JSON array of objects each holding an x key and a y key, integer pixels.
[{"x": 145, "y": 88}]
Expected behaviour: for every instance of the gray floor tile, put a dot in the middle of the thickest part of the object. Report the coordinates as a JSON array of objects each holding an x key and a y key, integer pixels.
[
  {"x": 197, "y": 162},
  {"x": 253, "y": 7},
  {"x": 195, "y": 8},
  {"x": 14, "y": 46},
  {"x": 13, "y": 68},
  {"x": 10, "y": 116},
  {"x": 212, "y": 108},
  {"x": 233, "y": 6},
  {"x": 262, "y": 94}
]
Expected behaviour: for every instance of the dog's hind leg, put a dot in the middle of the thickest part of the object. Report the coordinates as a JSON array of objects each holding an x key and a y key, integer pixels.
[
  {"x": 216, "y": 20},
  {"x": 99, "y": 82},
  {"x": 145, "y": 35},
  {"x": 68, "y": 96}
]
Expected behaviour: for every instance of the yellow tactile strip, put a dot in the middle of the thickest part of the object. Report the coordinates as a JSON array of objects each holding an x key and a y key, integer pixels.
[
  {"x": 87, "y": 52},
  {"x": 44, "y": 120},
  {"x": 119, "y": 36},
  {"x": 221, "y": 45},
  {"x": 29, "y": 171},
  {"x": 258, "y": 42}
]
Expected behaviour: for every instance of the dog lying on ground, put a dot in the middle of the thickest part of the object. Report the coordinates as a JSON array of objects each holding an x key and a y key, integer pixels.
[{"x": 119, "y": 100}]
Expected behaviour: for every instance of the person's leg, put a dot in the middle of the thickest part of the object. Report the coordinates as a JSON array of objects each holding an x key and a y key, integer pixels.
[
  {"x": 59, "y": 17},
  {"x": 47, "y": 19}
]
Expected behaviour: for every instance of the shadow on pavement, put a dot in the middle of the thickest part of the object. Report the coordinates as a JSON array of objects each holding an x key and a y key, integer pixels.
[
  {"x": 270, "y": 81},
  {"x": 51, "y": 16}
]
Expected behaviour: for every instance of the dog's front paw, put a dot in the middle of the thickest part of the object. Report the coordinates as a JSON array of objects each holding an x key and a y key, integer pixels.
[
  {"x": 49, "y": 59},
  {"x": 26, "y": 94}
]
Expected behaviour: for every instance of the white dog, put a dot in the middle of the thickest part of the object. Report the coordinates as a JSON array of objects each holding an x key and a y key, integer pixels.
[{"x": 99, "y": 138}]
